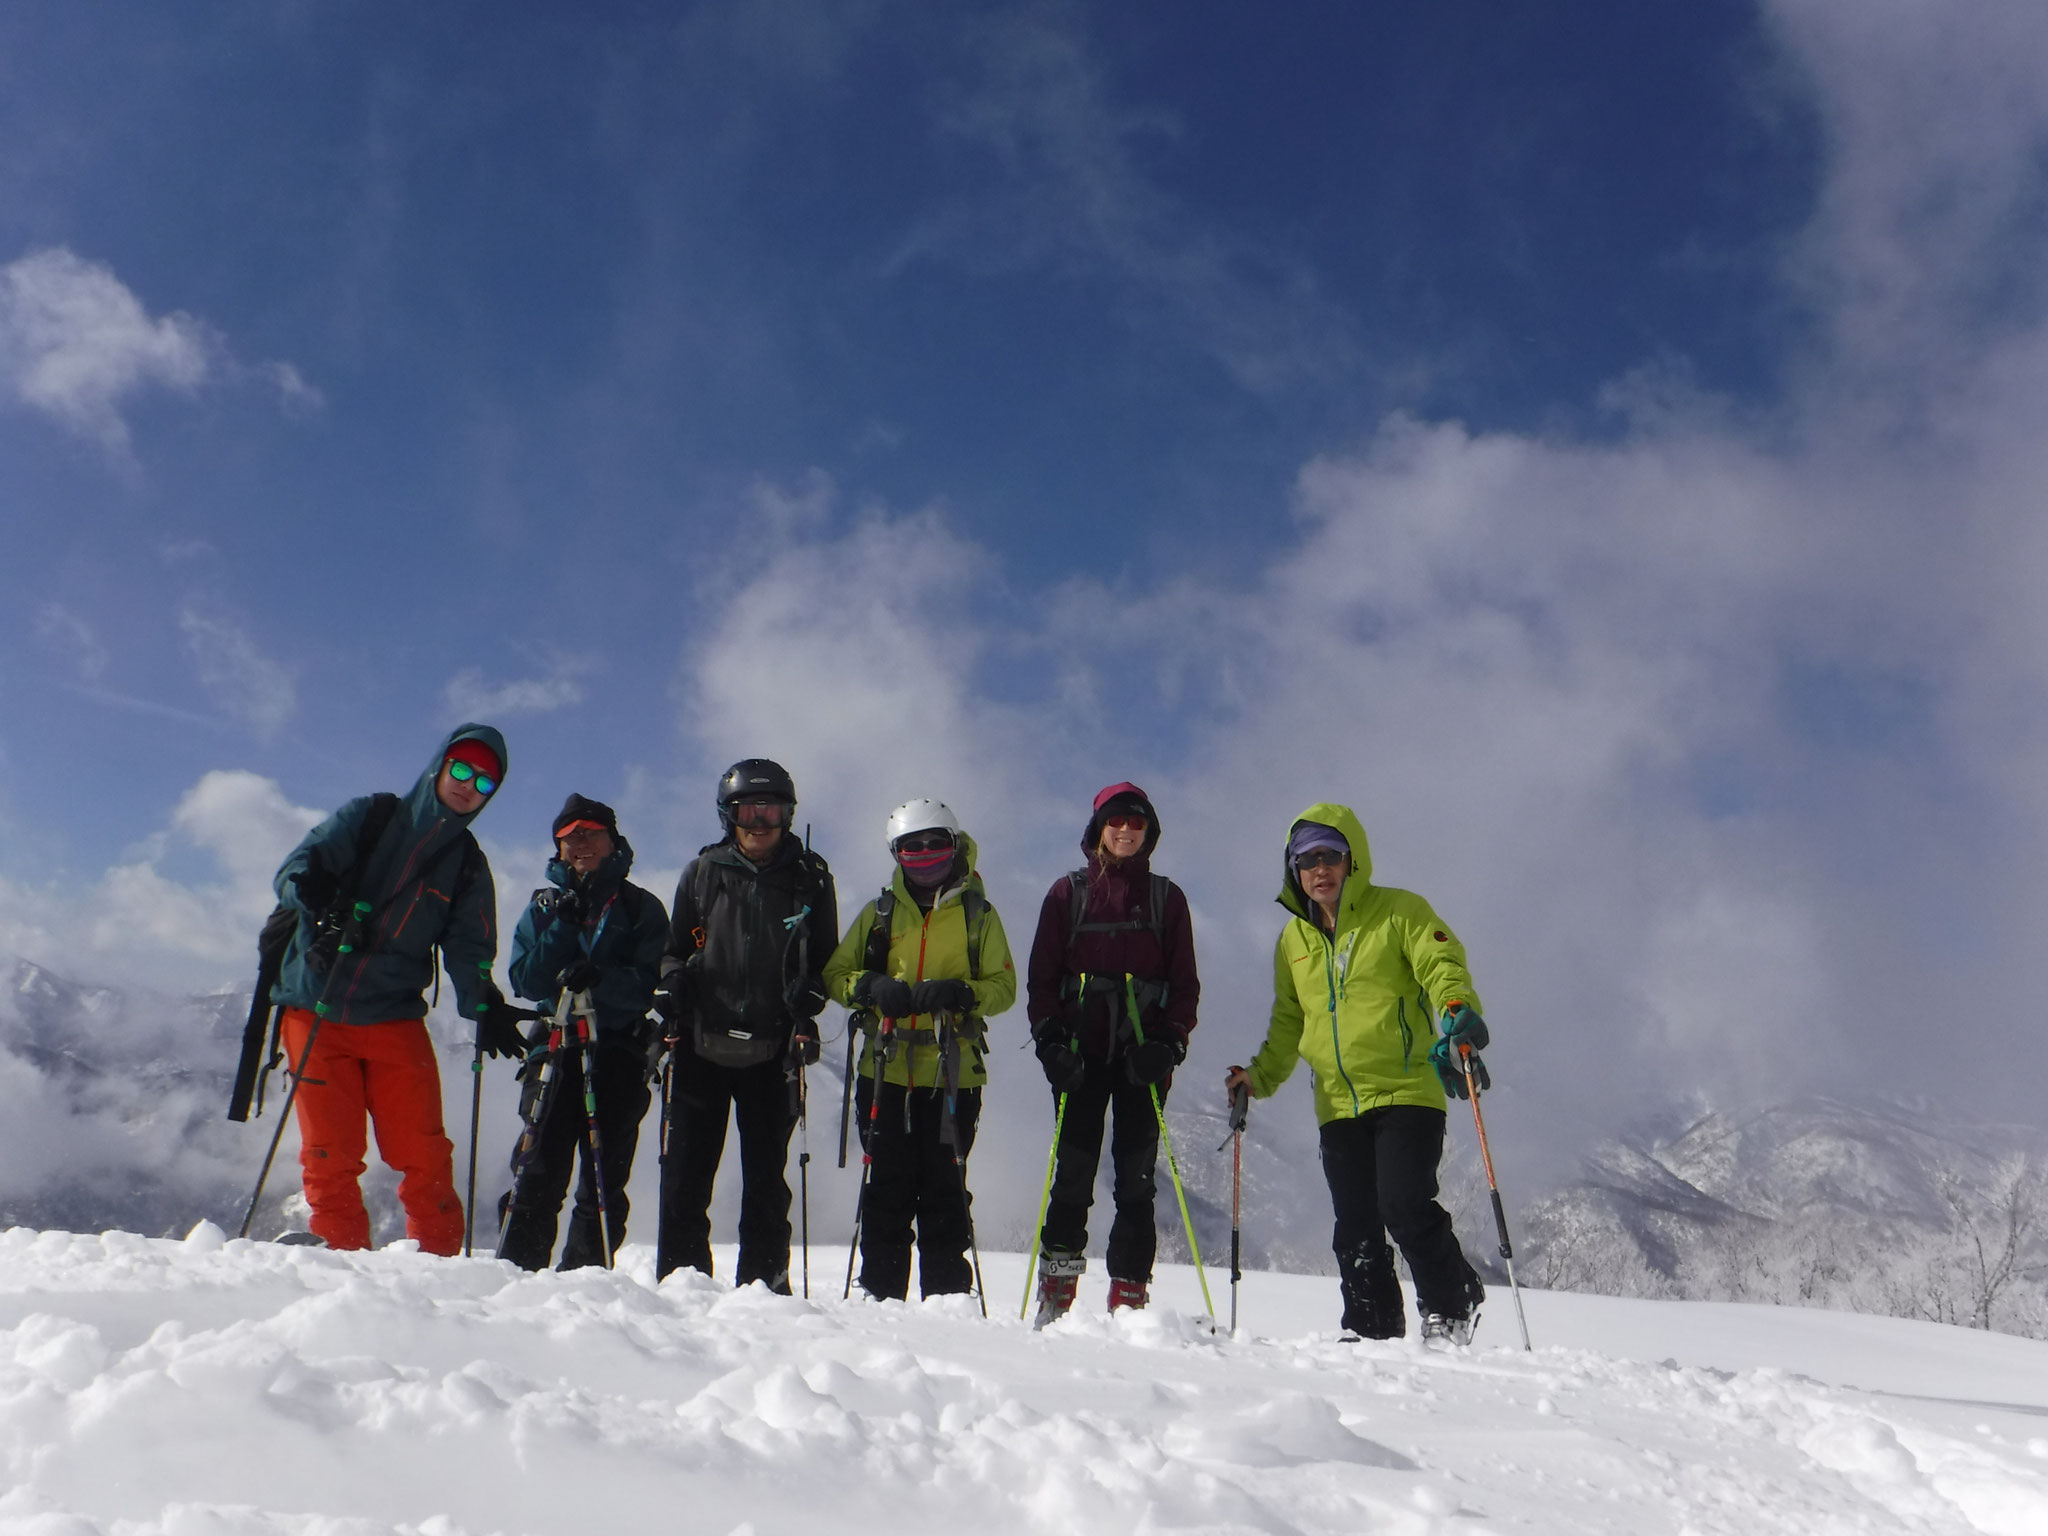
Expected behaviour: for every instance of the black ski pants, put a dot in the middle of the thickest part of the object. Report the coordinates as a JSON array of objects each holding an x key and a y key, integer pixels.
[
  {"x": 1133, "y": 1157},
  {"x": 703, "y": 1096},
  {"x": 622, "y": 1098},
  {"x": 915, "y": 1181},
  {"x": 1381, "y": 1168}
]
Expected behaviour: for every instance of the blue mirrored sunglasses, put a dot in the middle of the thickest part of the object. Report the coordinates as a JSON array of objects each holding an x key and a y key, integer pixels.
[{"x": 463, "y": 773}]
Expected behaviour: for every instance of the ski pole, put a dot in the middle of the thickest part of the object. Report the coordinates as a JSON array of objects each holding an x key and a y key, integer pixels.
[
  {"x": 476, "y": 1110},
  {"x": 1240, "y": 1111},
  {"x": 846, "y": 1089},
  {"x": 585, "y": 1013},
  {"x": 1059, "y": 1121},
  {"x": 351, "y": 935},
  {"x": 1180, "y": 1193},
  {"x": 867, "y": 1148},
  {"x": 1500, "y": 1216},
  {"x": 949, "y": 1057},
  {"x": 803, "y": 1168}
]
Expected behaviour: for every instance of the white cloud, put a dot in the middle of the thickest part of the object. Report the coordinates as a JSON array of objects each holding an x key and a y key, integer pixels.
[
  {"x": 75, "y": 342},
  {"x": 468, "y": 696},
  {"x": 143, "y": 921},
  {"x": 239, "y": 678}
]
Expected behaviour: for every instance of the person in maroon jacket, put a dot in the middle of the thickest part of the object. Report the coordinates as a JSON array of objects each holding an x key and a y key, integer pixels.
[{"x": 1111, "y": 995}]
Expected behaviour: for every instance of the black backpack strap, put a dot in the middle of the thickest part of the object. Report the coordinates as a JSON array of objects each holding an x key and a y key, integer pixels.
[
  {"x": 1160, "y": 886},
  {"x": 1077, "y": 883},
  {"x": 974, "y": 912},
  {"x": 876, "y": 958}
]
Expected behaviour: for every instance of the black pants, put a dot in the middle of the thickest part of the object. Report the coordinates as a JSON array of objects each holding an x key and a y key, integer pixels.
[
  {"x": 916, "y": 1181},
  {"x": 703, "y": 1096},
  {"x": 1133, "y": 1158},
  {"x": 1381, "y": 1169},
  {"x": 622, "y": 1098}
]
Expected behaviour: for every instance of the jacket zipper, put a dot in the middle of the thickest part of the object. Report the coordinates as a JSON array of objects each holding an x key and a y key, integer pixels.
[{"x": 1335, "y": 984}]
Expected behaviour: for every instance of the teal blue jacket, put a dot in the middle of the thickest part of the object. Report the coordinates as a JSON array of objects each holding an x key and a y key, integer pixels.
[{"x": 428, "y": 887}]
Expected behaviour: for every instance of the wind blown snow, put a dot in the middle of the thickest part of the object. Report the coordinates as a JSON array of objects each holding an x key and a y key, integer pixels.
[{"x": 217, "y": 1388}]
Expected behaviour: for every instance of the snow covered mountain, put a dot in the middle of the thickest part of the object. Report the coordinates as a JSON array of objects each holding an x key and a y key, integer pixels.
[{"x": 1890, "y": 1207}]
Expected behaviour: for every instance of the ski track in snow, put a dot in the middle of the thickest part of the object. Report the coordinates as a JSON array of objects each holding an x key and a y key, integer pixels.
[{"x": 215, "y": 1388}]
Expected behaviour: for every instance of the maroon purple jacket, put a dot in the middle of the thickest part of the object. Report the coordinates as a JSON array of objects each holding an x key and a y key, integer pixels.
[{"x": 1116, "y": 893}]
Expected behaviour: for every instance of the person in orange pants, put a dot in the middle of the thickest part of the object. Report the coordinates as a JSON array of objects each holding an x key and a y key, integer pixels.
[{"x": 428, "y": 887}]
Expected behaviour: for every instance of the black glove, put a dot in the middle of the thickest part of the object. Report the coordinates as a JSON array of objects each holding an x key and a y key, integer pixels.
[
  {"x": 1064, "y": 1068},
  {"x": 580, "y": 977},
  {"x": 803, "y": 1042},
  {"x": 672, "y": 996},
  {"x": 316, "y": 887},
  {"x": 943, "y": 995},
  {"x": 1153, "y": 1061},
  {"x": 888, "y": 997},
  {"x": 568, "y": 906},
  {"x": 497, "y": 1029},
  {"x": 659, "y": 1045}
]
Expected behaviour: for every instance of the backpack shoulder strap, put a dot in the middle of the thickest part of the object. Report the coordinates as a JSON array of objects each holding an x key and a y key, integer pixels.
[
  {"x": 974, "y": 912},
  {"x": 383, "y": 805},
  {"x": 877, "y": 957},
  {"x": 1160, "y": 886},
  {"x": 1077, "y": 883}
]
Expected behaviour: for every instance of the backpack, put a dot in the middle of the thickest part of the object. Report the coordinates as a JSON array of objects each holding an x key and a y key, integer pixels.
[
  {"x": 1151, "y": 994},
  {"x": 731, "y": 1048},
  {"x": 1156, "y": 922},
  {"x": 271, "y": 946},
  {"x": 876, "y": 957}
]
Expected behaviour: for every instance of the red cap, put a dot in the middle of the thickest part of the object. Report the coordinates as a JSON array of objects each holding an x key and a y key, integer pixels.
[{"x": 477, "y": 755}]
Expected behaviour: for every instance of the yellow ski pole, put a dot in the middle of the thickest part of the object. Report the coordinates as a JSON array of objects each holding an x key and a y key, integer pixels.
[{"x": 1180, "y": 1194}]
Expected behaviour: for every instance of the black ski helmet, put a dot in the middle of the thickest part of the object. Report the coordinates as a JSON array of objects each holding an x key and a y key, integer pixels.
[{"x": 753, "y": 778}]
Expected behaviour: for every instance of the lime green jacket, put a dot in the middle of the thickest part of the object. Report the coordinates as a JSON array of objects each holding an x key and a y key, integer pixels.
[
  {"x": 1360, "y": 1007},
  {"x": 927, "y": 946}
]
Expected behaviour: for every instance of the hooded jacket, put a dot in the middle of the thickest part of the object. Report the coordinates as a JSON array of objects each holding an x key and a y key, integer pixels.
[
  {"x": 926, "y": 946},
  {"x": 1119, "y": 892},
  {"x": 428, "y": 885},
  {"x": 621, "y": 934},
  {"x": 1360, "y": 1006}
]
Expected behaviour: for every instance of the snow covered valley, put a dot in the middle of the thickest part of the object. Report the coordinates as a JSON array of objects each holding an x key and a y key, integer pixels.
[{"x": 213, "y": 1388}]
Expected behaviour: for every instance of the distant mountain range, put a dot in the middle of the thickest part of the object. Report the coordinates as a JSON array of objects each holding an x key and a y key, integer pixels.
[
  {"x": 1890, "y": 1206},
  {"x": 116, "y": 1118}
]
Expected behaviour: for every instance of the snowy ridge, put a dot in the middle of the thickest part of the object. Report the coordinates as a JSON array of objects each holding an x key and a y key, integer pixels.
[{"x": 206, "y": 1387}]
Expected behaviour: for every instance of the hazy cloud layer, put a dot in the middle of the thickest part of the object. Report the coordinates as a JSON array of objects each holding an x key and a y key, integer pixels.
[
  {"x": 246, "y": 684},
  {"x": 469, "y": 696}
]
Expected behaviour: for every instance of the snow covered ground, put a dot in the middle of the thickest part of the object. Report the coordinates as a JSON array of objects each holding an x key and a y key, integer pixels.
[{"x": 211, "y": 1388}]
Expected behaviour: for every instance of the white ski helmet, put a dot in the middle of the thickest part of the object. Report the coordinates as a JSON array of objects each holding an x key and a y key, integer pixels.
[{"x": 921, "y": 816}]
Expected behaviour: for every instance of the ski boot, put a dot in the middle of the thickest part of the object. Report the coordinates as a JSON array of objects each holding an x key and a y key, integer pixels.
[
  {"x": 1059, "y": 1277},
  {"x": 1126, "y": 1293},
  {"x": 1373, "y": 1307},
  {"x": 1439, "y": 1329}
]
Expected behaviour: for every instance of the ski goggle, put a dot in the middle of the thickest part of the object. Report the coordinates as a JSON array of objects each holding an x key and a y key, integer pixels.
[
  {"x": 925, "y": 842},
  {"x": 1316, "y": 858},
  {"x": 466, "y": 773},
  {"x": 762, "y": 813}
]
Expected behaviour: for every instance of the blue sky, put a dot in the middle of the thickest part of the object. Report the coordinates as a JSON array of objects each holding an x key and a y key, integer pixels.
[{"x": 1597, "y": 441}]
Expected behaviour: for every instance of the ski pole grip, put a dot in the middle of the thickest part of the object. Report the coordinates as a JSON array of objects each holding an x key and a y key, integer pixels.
[{"x": 1500, "y": 1220}]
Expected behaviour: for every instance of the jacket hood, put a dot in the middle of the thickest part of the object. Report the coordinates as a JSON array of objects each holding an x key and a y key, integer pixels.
[
  {"x": 611, "y": 869},
  {"x": 1345, "y": 820},
  {"x": 425, "y": 805},
  {"x": 968, "y": 854},
  {"x": 1091, "y": 836}
]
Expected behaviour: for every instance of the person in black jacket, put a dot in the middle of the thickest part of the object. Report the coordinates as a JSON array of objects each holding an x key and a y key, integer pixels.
[
  {"x": 591, "y": 931},
  {"x": 756, "y": 917}
]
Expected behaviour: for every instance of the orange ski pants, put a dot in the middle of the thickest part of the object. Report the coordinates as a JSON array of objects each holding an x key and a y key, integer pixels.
[{"x": 386, "y": 1073}]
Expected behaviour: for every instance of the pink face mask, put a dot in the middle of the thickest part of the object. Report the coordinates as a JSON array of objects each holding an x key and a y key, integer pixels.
[{"x": 925, "y": 866}]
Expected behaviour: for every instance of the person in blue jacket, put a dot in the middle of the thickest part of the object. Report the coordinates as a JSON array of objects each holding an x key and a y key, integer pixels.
[
  {"x": 428, "y": 887},
  {"x": 591, "y": 930}
]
